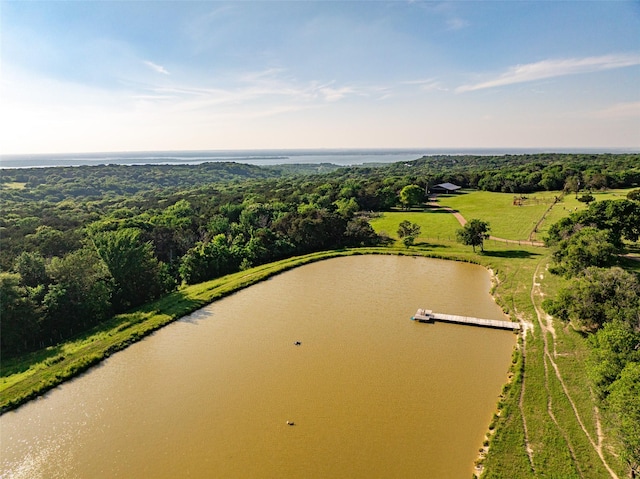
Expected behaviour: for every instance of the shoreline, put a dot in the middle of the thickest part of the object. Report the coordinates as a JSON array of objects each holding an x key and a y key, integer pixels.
[
  {"x": 30, "y": 376},
  {"x": 129, "y": 328},
  {"x": 154, "y": 316}
]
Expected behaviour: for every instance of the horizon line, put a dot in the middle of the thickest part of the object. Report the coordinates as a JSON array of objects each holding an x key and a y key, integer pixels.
[{"x": 540, "y": 149}]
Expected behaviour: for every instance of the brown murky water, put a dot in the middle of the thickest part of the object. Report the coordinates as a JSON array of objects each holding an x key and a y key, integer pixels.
[{"x": 371, "y": 393}]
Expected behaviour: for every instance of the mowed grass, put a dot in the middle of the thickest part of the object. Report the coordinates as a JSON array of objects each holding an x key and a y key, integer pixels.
[
  {"x": 570, "y": 204},
  {"x": 505, "y": 219},
  {"x": 434, "y": 224}
]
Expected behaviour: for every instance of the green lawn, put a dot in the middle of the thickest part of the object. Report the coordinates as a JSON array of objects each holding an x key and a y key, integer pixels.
[
  {"x": 434, "y": 225},
  {"x": 569, "y": 204},
  {"x": 506, "y": 220}
]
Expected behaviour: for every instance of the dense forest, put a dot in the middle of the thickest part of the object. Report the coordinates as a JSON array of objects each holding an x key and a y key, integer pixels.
[{"x": 80, "y": 244}]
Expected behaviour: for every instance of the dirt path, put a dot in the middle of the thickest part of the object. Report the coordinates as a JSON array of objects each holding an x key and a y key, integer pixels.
[
  {"x": 461, "y": 219},
  {"x": 527, "y": 328},
  {"x": 546, "y": 326}
]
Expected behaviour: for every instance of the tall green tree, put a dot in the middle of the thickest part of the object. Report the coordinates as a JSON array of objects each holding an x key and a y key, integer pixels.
[
  {"x": 31, "y": 267},
  {"x": 208, "y": 260},
  {"x": 596, "y": 296},
  {"x": 613, "y": 347},
  {"x": 312, "y": 229},
  {"x": 138, "y": 275},
  {"x": 474, "y": 233},
  {"x": 172, "y": 231},
  {"x": 411, "y": 195},
  {"x": 18, "y": 318},
  {"x": 346, "y": 207},
  {"x": 620, "y": 218},
  {"x": 80, "y": 293},
  {"x": 587, "y": 247}
]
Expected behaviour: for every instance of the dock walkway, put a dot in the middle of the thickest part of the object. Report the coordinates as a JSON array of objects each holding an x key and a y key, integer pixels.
[{"x": 427, "y": 316}]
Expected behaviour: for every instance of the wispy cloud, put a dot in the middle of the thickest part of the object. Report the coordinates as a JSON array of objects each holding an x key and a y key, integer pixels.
[
  {"x": 456, "y": 23},
  {"x": 157, "y": 68},
  {"x": 335, "y": 94},
  {"x": 265, "y": 93},
  {"x": 429, "y": 84},
  {"x": 554, "y": 68}
]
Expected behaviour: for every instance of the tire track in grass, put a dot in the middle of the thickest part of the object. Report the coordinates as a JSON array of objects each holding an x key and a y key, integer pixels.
[
  {"x": 546, "y": 326},
  {"x": 527, "y": 442}
]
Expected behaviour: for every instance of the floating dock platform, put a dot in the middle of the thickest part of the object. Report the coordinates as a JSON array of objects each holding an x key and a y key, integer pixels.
[{"x": 428, "y": 316}]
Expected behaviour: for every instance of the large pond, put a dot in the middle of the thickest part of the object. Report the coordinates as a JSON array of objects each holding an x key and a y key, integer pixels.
[{"x": 371, "y": 393}]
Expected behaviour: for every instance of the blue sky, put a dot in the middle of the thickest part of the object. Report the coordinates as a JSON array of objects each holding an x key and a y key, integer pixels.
[{"x": 83, "y": 76}]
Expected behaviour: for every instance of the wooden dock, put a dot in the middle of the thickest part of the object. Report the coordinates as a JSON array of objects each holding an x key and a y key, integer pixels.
[{"x": 428, "y": 316}]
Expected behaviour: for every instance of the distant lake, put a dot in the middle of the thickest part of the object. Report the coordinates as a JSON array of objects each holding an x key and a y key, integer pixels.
[{"x": 342, "y": 157}]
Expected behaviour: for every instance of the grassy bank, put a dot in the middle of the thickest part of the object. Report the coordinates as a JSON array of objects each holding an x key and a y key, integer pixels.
[
  {"x": 26, "y": 377},
  {"x": 31, "y": 375}
]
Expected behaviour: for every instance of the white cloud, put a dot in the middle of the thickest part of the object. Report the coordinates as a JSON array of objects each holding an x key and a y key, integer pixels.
[
  {"x": 157, "y": 68},
  {"x": 555, "y": 68},
  {"x": 429, "y": 84},
  {"x": 334, "y": 94}
]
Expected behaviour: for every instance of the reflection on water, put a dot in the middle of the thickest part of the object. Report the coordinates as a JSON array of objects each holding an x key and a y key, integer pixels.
[{"x": 371, "y": 393}]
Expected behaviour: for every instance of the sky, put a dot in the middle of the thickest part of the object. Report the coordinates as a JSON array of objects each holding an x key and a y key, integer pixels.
[{"x": 105, "y": 76}]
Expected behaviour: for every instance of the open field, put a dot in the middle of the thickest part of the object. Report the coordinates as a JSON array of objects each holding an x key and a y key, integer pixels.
[
  {"x": 546, "y": 423},
  {"x": 435, "y": 225},
  {"x": 569, "y": 203},
  {"x": 531, "y": 220},
  {"x": 506, "y": 220}
]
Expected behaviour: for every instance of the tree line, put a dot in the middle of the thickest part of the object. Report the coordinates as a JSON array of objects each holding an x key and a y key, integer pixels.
[
  {"x": 499, "y": 173},
  {"x": 127, "y": 259}
]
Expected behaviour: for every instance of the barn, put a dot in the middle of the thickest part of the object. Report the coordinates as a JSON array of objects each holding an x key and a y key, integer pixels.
[{"x": 445, "y": 188}]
